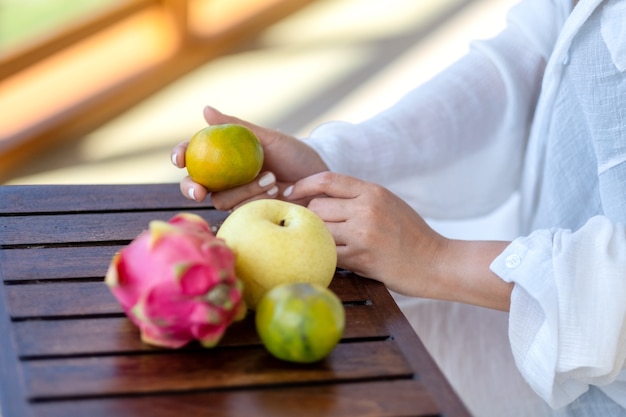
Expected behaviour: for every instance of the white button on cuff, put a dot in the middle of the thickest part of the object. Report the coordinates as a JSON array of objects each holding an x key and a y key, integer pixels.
[{"x": 512, "y": 261}]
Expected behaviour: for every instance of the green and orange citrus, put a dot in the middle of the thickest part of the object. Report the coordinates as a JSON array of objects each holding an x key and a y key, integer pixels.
[
  {"x": 224, "y": 156},
  {"x": 300, "y": 322}
]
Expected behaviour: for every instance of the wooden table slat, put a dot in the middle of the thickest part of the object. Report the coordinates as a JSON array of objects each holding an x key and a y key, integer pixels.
[
  {"x": 78, "y": 298},
  {"x": 100, "y": 336},
  {"x": 218, "y": 368},
  {"x": 401, "y": 398},
  {"x": 54, "y": 299},
  {"x": 87, "y": 227},
  {"x": 56, "y": 263},
  {"x": 19, "y": 199}
]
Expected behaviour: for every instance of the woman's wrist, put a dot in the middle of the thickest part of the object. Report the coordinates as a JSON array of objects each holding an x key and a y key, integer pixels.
[{"x": 462, "y": 274}]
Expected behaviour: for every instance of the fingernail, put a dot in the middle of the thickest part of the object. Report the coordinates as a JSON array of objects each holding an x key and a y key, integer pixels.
[
  {"x": 267, "y": 179},
  {"x": 174, "y": 156},
  {"x": 288, "y": 191},
  {"x": 191, "y": 193},
  {"x": 272, "y": 191}
]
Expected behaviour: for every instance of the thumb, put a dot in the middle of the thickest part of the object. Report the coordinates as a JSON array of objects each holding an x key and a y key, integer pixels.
[{"x": 215, "y": 117}]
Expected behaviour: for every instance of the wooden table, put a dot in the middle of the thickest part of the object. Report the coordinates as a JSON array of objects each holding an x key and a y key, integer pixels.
[{"x": 66, "y": 348}]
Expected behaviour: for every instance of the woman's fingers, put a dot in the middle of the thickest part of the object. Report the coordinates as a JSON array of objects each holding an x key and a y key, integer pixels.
[
  {"x": 333, "y": 210},
  {"x": 333, "y": 197},
  {"x": 192, "y": 190},
  {"x": 325, "y": 183},
  {"x": 264, "y": 186},
  {"x": 178, "y": 154}
]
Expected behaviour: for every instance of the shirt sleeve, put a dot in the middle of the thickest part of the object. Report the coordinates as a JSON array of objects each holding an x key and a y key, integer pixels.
[
  {"x": 453, "y": 147},
  {"x": 567, "y": 323}
]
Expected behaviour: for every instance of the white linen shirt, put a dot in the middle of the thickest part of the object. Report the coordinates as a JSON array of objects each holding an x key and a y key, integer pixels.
[{"x": 539, "y": 110}]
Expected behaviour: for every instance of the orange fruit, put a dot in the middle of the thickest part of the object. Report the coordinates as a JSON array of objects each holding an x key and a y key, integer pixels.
[
  {"x": 224, "y": 156},
  {"x": 300, "y": 322}
]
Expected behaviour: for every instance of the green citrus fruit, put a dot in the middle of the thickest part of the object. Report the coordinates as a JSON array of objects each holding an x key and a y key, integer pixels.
[
  {"x": 224, "y": 156},
  {"x": 300, "y": 322}
]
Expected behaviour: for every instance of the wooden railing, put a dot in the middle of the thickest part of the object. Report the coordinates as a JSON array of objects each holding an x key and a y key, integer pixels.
[{"x": 74, "y": 81}]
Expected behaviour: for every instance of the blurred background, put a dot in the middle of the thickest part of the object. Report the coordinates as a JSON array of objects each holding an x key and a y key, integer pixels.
[{"x": 98, "y": 91}]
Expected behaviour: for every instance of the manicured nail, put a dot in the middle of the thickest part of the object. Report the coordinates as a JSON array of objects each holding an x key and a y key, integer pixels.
[
  {"x": 174, "y": 156},
  {"x": 191, "y": 193},
  {"x": 272, "y": 191},
  {"x": 267, "y": 179},
  {"x": 288, "y": 191}
]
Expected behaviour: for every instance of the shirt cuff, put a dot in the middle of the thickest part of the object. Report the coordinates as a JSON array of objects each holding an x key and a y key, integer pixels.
[{"x": 520, "y": 260}]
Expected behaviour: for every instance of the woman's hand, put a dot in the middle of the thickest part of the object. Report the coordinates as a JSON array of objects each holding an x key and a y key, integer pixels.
[
  {"x": 379, "y": 236},
  {"x": 287, "y": 160},
  {"x": 375, "y": 231}
]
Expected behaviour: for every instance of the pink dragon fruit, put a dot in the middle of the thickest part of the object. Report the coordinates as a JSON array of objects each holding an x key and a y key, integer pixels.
[{"x": 176, "y": 282}]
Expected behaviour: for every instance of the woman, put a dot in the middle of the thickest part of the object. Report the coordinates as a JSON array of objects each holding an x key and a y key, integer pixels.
[{"x": 539, "y": 110}]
